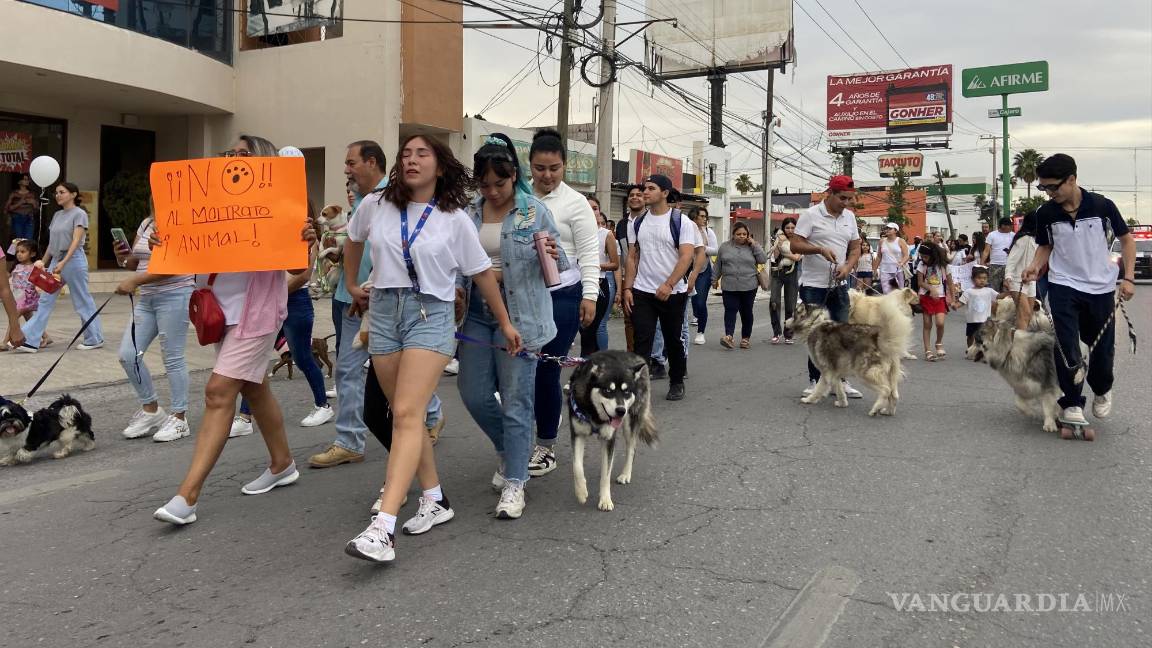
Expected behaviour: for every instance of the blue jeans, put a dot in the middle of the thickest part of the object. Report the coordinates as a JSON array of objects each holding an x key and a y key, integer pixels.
[
  {"x": 484, "y": 370},
  {"x": 602, "y": 332},
  {"x": 298, "y": 331},
  {"x": 658, "y": 341},
  {"x": 163, "y": 315},
  {"x": 837, "y": 305},
  {"x": 700, "y": 299},
  {"x": 351, "y": 376},
  {"x": 549, "y": 394},
  {"x": 76, "y": 277},
  {"x": 23, "y": 226}
]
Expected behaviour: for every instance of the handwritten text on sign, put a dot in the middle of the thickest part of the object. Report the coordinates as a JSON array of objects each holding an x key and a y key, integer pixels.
[{"x": 229, "y": 215}]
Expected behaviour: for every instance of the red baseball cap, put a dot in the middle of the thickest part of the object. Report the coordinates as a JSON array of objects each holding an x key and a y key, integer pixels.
[{"x": 840, "y": 183}]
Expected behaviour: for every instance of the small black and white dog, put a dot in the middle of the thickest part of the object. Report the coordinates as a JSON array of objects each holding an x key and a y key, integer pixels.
[
  {"x": 64, "y": 423},
  {"x": 607, "y": 398}
]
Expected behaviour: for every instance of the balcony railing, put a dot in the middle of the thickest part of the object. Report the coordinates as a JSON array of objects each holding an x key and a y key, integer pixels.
[{"x": 201, "y": 25}]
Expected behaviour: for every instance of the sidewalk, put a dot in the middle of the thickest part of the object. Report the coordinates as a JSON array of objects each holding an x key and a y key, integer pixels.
[{"x": 19, "y": 371}]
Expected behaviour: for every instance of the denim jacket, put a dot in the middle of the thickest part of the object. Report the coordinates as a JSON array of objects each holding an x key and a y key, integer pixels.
[{"x": 528, "y": 300}]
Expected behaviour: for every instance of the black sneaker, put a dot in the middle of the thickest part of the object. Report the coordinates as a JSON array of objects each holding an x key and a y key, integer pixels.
[
  {"x": 542, "y": 461},
  {"x": 675, "y": 392},
  {"x": 657, "y": 371}
]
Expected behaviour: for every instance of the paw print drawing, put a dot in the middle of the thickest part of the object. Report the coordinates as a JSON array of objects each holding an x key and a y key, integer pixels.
[{"x": 237, "y": 177}]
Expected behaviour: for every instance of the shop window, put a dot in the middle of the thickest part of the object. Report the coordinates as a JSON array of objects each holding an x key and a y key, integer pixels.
[
  {"x": 23, "y": 138},
  {"x": 276, "y": 23}
]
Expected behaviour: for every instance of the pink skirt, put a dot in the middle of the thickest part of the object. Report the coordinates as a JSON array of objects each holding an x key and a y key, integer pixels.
[{"x": 243, "y": 358}]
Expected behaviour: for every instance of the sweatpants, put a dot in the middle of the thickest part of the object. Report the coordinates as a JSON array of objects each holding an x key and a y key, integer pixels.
[
  {"x": 1079, "y": 316},
  {"x": 648, "y": 313}
]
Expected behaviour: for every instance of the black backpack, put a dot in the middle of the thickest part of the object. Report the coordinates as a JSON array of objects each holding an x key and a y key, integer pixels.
[{"x": 673, "y": 226}]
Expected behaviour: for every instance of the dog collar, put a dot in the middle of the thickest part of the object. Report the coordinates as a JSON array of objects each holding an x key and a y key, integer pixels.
[{"x": 576, "y": 411}]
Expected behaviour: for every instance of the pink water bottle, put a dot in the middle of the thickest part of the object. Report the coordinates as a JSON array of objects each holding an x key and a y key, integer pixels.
[{"x": 547, "y": 263}]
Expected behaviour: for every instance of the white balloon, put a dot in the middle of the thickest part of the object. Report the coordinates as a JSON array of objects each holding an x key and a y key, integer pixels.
[
  {"x": 291, "y": 151},
  {"x": 44, "y": 171}
]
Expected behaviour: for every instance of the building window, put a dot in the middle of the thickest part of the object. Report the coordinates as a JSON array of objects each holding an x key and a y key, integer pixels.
[
  {"x": 275, "y": 23},
  {"x": 201, "y": 25},
  {"x": 22, "y": 139}
]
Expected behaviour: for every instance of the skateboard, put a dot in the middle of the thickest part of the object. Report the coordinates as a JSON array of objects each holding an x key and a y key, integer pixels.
[{"x": 1079, "y": 432}]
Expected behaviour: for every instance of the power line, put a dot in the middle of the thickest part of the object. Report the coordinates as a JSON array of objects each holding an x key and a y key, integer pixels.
[
  {"x": 877, "y": 28},
  {"x": 847, "y": 33}
]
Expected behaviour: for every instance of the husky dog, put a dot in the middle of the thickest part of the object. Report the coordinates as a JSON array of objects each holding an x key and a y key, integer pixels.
[
  {"x": 1024, "y": 360},
  {"x": 607, "y": 397},
  {"x": 840, "y": 350},
  {"x": 14, "y": 422},
  {"x": 891, "y": 313},
  {"x": 64, "y": 423}
]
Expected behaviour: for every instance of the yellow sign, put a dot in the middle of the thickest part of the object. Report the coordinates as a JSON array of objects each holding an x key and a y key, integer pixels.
[{"x": 239, "y": 214}]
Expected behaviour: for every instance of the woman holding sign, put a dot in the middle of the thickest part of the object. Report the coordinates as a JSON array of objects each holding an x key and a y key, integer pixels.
[
  {"x": 254, "y": 308},
  {"x": 420, "y": 238}
]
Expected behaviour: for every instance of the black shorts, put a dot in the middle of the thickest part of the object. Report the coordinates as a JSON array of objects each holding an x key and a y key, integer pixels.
[{"x": 971, "y": 327}]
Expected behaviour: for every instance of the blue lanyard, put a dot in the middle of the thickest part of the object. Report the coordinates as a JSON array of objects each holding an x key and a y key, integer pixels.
[{"x": 406, "y": 241}]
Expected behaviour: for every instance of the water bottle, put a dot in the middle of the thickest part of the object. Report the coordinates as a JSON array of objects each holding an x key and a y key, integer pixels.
[{"x": 547, "y": 263}]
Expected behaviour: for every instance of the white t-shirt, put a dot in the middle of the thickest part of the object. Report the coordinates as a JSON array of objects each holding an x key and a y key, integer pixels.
[
  {"x": 934, "y": 280},
  {"x": 658, "y": 257},
  {"x": 890, "y": 255},
  {"x": 824, "y": 230},
  {"x": 998, "y": 242},
  {"x": 979, "y": 302},
  {"x": 231, "y": 291},
  {"x": 447, "y": 244}
]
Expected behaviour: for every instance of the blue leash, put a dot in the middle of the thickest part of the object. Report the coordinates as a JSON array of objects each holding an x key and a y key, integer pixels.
[{"x": 563, "y": 361}]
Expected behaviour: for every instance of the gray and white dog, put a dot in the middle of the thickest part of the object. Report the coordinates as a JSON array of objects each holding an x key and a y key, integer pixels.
[
  {"x": 1024, "y": 360},
  {"x": 841, "y": 350},
  {"x": 607, "y": 399}
]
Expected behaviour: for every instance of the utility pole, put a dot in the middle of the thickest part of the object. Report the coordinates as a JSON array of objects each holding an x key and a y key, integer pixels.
[
  {"x": 944, "y": 197},
  {"x": 607, "y": 99},
  {"x": 1006, "y": 172},
  {"x": 766, "y": 158},
  {"x": 995, "y": 200},
  {"x": 565, "y": 73}
]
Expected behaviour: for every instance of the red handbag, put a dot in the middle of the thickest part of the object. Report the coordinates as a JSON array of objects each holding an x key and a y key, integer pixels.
[
  {"x": 206, "y": 315},
  {"x": 44, "y": 280}
]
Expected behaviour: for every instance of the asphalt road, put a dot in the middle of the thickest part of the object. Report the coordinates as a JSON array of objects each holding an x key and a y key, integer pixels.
[{"x": 757, "y": 521}]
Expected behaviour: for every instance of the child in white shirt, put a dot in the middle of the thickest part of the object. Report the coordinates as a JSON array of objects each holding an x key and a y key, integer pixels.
[{"x": 981, "y": 302}]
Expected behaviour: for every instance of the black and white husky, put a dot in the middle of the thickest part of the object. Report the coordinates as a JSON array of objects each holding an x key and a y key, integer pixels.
[
  {"x": 608, "y": 398},
  {"x": 63, "y": 423}
]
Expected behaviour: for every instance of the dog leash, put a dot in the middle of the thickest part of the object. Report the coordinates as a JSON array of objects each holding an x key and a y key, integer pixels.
[
  {"x": 563, "y": 361},
  {"x": 68, "y": 348},
  {"x": 1080, "y": 369}
]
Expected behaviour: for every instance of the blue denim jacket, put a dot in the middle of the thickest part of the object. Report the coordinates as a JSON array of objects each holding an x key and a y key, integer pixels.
[{"x": 528, "y": 300}]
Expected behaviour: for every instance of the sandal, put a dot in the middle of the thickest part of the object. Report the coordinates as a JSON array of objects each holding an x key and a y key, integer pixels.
[
  {"x": 745, "y": 343},
  {"x": 940, "y": 353},
  {"x": 726, "y": 342},
  {"x": 930, "y": 356}
]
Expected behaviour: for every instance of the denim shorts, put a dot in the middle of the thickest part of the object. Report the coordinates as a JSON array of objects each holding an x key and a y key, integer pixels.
[{"x": 395, "y": 322}]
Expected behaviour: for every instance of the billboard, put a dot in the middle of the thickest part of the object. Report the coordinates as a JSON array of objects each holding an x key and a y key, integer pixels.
[
  {"x": 642, "y": 164},
  {"x": 902, "y": 103},
  {"x": 912, "y": 163},
  {"x": 267, "y": 17},
  {"x": 15, "y": 151},
  {"x": 736, "y": 35}
]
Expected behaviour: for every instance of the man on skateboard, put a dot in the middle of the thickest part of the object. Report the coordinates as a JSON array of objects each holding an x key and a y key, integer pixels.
[{"x": 1075, "y": 230}]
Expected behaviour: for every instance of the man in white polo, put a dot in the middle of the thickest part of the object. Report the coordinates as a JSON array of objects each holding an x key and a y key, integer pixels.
[{"x": 827, "y": 233}]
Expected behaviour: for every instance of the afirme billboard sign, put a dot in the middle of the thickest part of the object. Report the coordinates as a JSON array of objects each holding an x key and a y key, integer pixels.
[
  {"x": 1005, "y": 79},
  {"x": 912, "y": 163},
  {"x": 900, "y": 103}
]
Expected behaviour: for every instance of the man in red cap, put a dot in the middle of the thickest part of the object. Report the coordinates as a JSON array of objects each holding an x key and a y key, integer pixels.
[{"x": 828, "y": 234}]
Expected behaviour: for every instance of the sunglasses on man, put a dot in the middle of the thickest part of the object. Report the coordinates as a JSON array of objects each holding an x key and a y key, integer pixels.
[{"x": 1052, "y": 187}]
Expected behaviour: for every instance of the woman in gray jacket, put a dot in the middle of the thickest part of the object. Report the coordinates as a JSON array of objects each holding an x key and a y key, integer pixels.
[{"x": 736, "y": 276}]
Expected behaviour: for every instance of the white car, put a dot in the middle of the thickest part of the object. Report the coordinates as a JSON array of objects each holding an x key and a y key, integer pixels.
[{"x": 1143, "y": 258}]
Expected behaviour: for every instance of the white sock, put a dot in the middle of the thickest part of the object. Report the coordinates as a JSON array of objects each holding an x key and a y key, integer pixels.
[
  {"x": 389, "y": 522},
  {"x": 435, "y": 493}
]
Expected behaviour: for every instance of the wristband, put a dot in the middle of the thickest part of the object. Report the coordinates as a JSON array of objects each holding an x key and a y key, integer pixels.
[{"x": 1131, "y": 281}]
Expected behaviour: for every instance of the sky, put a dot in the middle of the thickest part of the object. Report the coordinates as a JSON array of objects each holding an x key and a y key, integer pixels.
[{"x": 1098, "y": 108}]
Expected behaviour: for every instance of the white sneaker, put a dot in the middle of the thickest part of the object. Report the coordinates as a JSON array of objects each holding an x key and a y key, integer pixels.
[
  {"x": 319, "y": 416},
  {"x": 24, "y": 348},
  {"x": 453, "y": 367},
  {"x": 143, "y": 423},
  {"x": 84, "y": 346},
  {"x": 429, "y": 515},
  {"x": 1073, "y": 416},
  {"x": 498, "y": 480},
  {"x": 240, "y": 427},
  {"x": 542, "y": 461},
  {"x": 173, "y": 428},
  {"x": 1102, "y": 405},
  {"x": 699, "y": 339},
  {"x": 331, "y": 393},
  {"x": 511, "y": 505},
  {"x": 374, "y": 544},
  {"x": 850, "y": 391},
  {"x": 811, "y": 388},
  {"x": 379, "y": 503}
]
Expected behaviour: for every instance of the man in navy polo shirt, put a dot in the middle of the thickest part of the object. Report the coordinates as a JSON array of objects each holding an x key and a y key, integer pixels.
[{"x": 1075, "y": 230}]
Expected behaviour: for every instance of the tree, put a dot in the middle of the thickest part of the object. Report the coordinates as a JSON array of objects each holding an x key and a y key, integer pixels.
[
  {"x": 1024, "y": 167},
  {"x": 896, "y": 197},
  {"x": 744, "y": 183},
  {"x": 988, "y": 211},
  {"x": 1133, "y": 221},
  {"x": 944, "y": 174},
  {"x": 1026, "y": 204}
]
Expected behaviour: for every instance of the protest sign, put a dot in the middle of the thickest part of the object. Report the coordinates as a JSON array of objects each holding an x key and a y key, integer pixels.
[{"x": 239, "y": 214}]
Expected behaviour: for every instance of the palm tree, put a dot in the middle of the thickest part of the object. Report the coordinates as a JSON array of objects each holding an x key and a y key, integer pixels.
[
  {"x": 1024, "y": 167},
  {"x": 744, "y": 183},
  {"x": 945, "y": 173}
]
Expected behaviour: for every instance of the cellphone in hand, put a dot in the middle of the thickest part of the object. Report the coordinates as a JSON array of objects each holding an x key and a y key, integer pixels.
[{"x": 119, "y": 236}]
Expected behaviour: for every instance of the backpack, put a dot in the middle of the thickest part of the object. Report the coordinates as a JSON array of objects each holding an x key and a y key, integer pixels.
[
  {"x": 206, "y": 315},
  {"x": 673, "y": 226}
]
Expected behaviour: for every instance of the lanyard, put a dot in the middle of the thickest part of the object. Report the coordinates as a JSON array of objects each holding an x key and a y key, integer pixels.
[{"x": 406, "y": 241}]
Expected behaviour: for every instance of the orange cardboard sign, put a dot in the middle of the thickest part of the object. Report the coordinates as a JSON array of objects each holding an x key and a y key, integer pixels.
[{"x": 239, "y": 214}]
